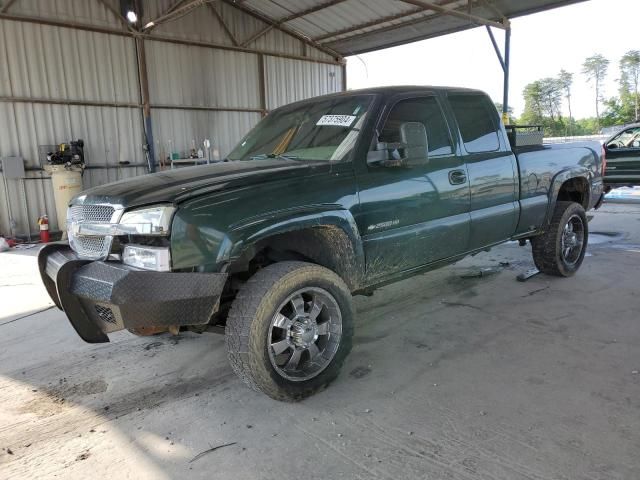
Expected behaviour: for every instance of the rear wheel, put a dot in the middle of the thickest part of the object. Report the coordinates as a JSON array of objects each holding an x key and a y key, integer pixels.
[
  {"x": 289, "y": 329},
  {"x": 561, "y": 249}
]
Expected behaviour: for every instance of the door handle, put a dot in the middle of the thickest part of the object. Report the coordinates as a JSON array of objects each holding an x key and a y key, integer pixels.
[{"x": 457, "y": 177}]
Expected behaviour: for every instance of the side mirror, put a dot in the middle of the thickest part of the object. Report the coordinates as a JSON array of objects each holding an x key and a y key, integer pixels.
[
  {"x": 414, "y": 136},
  {"x": 389, "y": 155},
  {"x": 412, "y": 150}
]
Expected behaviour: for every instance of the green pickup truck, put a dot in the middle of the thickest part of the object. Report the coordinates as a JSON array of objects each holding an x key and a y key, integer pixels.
[{"x": 324, "y": 199}]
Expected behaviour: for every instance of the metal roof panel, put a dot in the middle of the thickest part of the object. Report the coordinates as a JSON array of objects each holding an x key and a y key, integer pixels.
[{"x": 357, "y": 26}]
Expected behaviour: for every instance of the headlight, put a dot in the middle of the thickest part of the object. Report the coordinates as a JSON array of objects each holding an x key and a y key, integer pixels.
[
  {"x": 147, "y": 221},
  {"x": 148, "y": 258}
]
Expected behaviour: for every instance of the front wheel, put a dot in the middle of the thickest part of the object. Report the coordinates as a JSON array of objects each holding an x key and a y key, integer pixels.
[
  {"x": 289, "y": 329},
  {"x": 561, "y": 249}
]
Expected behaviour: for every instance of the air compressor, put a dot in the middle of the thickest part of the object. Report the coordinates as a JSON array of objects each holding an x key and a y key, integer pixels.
[{"x": 65, "y": 165}]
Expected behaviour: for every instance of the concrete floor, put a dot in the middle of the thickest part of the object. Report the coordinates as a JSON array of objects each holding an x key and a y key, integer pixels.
[{"x": 450, "y": 378}]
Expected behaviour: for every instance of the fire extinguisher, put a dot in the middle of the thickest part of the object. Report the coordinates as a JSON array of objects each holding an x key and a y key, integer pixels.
[{"x": 43, "y": 221}]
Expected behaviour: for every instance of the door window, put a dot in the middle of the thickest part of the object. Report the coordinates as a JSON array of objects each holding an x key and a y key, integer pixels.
[
  {"x": 475, "y": 117},
  {"x": 424, "y": 111},
  {"x": 629, "y": 138}
]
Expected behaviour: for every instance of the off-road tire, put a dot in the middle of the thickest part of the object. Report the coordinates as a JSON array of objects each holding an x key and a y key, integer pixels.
[
  {"x": 546, "y": 248},
  {"x": 250, "y": 318}
]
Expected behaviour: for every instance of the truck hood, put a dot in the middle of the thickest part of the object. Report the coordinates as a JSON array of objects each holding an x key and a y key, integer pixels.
[{"x": 175, "y": 186}]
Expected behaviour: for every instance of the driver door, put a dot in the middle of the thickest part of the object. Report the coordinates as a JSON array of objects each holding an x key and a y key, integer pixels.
[{"x": 412, "y": 215}]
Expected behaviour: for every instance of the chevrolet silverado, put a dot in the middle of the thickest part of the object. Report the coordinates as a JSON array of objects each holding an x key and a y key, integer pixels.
[{"x": 324, "y": 199}]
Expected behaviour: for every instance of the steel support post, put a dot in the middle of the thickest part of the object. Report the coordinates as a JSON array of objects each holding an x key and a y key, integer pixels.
[
  {"x": 146, "y": 105},
  {"x": 505, "y": 92}
]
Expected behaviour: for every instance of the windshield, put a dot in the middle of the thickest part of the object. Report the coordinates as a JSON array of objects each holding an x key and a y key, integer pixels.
[{"x": 317, "y": 130}]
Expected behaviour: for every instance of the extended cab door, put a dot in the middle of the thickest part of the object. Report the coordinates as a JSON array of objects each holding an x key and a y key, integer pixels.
[
  {"x": 412, "y": 215},
  {"x": 623, "y": 158},
  {"x": 492, "y": 167}
]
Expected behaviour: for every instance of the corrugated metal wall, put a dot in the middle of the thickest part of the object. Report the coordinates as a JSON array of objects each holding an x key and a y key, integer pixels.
[
  {"x": 59, "y": 84},
  {"x": 43, "y": 63},
  {"x": 290, "y": 80}
]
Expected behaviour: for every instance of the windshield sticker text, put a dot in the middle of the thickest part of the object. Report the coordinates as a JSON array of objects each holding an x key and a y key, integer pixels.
[{"x": 336, "y": 120}]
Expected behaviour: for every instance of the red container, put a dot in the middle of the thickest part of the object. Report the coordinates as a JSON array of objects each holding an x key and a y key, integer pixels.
[{"x": 43, "y": 221}]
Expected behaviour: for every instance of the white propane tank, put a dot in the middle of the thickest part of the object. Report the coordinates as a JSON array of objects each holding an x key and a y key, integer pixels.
[{"x": 67, "y": 183}]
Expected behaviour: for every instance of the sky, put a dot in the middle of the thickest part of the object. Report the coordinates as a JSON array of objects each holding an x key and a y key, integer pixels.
[{"x": 541, "y": 45}]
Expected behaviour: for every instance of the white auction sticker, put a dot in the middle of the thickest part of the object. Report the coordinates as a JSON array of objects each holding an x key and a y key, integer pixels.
[{"x": 336, "y": 120}]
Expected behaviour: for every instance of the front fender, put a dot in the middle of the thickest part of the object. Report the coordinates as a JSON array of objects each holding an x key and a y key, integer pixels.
[
  {"x": 333, "y": 228},
  {"x": 202, "y": 241},
  {"x": 253, "y": 230}
]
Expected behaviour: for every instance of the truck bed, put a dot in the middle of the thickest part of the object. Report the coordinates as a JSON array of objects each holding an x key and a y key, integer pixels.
[{"x": 540, "y": 165}]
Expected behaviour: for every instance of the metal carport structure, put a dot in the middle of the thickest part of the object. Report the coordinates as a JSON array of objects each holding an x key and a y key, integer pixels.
[
  {"x": 351, "y": 27},
  {"x": 187, "y": 69}
]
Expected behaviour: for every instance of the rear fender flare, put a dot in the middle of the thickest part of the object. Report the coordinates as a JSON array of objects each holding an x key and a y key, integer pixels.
[{"x": 557, "y": 182}]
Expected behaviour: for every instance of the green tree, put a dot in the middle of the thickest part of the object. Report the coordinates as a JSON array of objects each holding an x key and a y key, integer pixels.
[
  {"x": 542, "y": 102},
  {"x": 630, "y": 69},
  {"x": 532, "y": 94},
  {"x": 618, "y": 111},
  {"x": 595, "y": 69},
  {"x": 551, "y": 92},
  {"x": 566, "y": 81},
  {"x": 586, "y": 126}
]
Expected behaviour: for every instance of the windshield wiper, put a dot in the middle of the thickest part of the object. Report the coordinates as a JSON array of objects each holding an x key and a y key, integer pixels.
[{"x": 282, "y": 156}]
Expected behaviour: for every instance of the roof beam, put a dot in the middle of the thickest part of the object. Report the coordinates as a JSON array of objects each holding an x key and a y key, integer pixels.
[
  {"x": 378, "y": 21},
  {"x": 282, "y": 28},
  {"x": 495, "y": 47},
  {"x": 7, "y": 5},
  {"x": 151, "y": 25},
  {"x": 116, "y": 14},
  {"x": 388, "y": 28},
  {"x": 372, "y": 23},
  {"x": 174, "y": 7},
  {"x": 310, "y": 10},
  {"x": 423, "y": 7},
  {"x": 160, "y": 38},
  {"x": 293, "y": 16},
  {"x": 225, "y": 27},
  {"x": 258, "y": 34},
  {"x": 489, "y": 4},
  {"x": 175, "y": 11},
  {"x": 456, "y": 13},
  {"x": 407, "y": 23}
]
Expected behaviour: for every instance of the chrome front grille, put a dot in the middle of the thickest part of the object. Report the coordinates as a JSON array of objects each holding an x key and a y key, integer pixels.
[
  {"x": 92, "y": 247},
  {"x": 86, "y": 246},
  {"x": 91, "y": 213}
]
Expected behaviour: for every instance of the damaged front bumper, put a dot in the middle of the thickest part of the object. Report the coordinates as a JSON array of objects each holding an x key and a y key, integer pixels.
[{"x": 104, "y": 297}]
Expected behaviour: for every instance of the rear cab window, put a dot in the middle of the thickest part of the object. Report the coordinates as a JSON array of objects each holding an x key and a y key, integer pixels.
[{"x": 475, "y": 115}]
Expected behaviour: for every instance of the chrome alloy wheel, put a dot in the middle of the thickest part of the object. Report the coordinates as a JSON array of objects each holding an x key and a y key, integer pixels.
[
  {"x": 304, "y": 334},
  {"x": 572, "y": 240}
]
